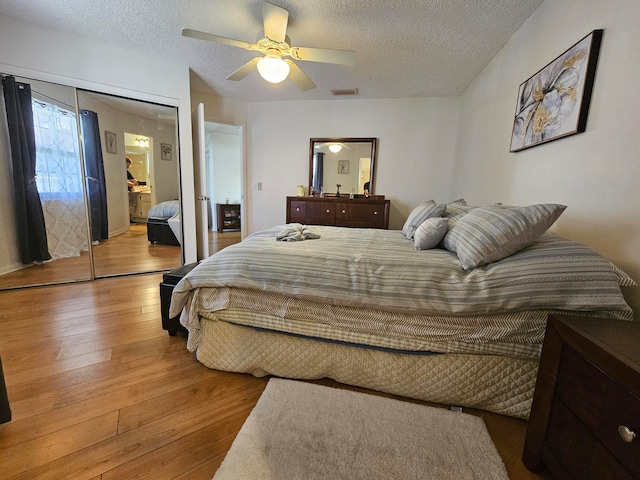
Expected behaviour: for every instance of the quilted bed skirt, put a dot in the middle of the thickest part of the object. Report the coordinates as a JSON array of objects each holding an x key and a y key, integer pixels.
[{"x": 495, "y": 383}]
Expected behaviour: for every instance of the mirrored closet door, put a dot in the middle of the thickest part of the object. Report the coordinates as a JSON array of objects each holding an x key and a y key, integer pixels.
[
  {"x": 68, "y": 211},
  {"x": 143, "y": 228}
]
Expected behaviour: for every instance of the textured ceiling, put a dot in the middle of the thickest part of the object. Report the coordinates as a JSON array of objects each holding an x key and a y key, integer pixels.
[{"x": 404, "y": 48}]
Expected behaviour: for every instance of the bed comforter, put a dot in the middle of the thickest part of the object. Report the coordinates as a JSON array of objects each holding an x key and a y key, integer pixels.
[{"x": 374, "y": 285}]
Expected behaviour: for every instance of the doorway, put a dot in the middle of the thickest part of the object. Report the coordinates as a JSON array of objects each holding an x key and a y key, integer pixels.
[{"x": 224, "y": 160}]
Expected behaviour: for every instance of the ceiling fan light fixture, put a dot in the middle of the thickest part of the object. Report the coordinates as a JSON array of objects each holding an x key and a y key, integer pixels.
[{"x": 273, "y": 69}]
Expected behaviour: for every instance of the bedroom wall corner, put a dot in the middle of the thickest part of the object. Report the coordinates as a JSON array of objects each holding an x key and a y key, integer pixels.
[{"x": 594, "y": 173}]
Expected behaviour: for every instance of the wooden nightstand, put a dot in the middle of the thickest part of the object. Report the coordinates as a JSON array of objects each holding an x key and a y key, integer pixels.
[
  {"x": 228, "y": 215},
  {"x": 585, "y": 417}
]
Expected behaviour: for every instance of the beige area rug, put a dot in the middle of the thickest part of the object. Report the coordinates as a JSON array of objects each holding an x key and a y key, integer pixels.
[{"x": 303, "y": 431}]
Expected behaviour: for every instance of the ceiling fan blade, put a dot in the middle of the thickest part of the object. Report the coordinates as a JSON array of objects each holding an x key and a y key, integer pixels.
[
  {"x": 187, "y": 32},
  {"x": 324, "y": 55},
  {"x": 275, "y": 21},
  {"x": 298, "y": 77},
  {"x": 244, "y": 70}
]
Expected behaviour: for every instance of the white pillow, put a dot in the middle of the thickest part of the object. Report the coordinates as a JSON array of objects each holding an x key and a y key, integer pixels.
[
  {"x": 420, "y": 214},
  {"x": 429, "y": 233},
  {"x": 491, "y": 233}
]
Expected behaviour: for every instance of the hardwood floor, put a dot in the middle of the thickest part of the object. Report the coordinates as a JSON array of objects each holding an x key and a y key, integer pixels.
[
  {"x": 122, "y": 254},
  {"x": 131, "y": 252},
  {"x": 99, "y": 391}
]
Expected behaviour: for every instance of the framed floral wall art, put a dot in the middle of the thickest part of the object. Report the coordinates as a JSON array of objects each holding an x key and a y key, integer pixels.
[{"x": 554, "y": 102}]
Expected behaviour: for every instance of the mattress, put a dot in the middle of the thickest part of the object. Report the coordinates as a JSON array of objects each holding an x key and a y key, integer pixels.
[
  {"x": 164, "y": 210},
  {"x": 494, "y": 383},
  {"x": 515, "y": 334}
]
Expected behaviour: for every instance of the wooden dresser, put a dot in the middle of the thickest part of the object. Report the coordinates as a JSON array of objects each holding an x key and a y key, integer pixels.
[
  {"x": 585, "y": 417},
  {"x": 364, "y": 212}
]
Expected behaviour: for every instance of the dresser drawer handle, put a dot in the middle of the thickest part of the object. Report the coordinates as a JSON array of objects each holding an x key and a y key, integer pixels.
[
  {"x": 344, "y": 211},
  {"x": 328, "y": 211},
  {"x": 626, "y": 434},
  {"x": 297, "y": 209},
  {"x": 375, "y": 213}
]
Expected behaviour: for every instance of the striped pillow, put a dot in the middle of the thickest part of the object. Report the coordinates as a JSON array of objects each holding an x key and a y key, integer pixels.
[
  {"x": 455, "y": 211},
  {"x": 419, "y": 214},
  {"x": 491, "y": 233},
  {"x": 429, "y": 233}
]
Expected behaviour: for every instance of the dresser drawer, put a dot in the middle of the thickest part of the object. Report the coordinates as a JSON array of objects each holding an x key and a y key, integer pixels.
[
  {"x": 371, "y": 212},
  {"x": 360, "y": 215},
  {"x": 572, "y": 451},
  {"x": 582, "y": 387},
  {"x": 327, "y": 213},
  {"x": 621, "y": 409},
  {"x": 297, "y": 212},
  {"x": 569, "y": 444}
]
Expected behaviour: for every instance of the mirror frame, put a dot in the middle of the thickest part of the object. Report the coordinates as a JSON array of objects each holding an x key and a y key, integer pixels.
[{"x": 371, "y": 140}]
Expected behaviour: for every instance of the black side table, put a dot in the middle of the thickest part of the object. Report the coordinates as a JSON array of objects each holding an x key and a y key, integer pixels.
[
  {"x": 169, "y": 281},
  {"x": 5, "y": 411}
]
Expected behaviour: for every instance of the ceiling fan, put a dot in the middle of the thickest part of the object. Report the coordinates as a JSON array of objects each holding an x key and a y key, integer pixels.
[{"x": 274, "y": 46}]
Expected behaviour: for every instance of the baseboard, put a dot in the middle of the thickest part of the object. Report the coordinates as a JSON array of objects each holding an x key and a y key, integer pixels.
[{"x": 14, "y": 267}]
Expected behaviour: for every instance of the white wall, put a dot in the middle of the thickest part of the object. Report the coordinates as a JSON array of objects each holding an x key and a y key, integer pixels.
[
  {"x": 595, "y": 173},
  {"x": 35, "y": 52},
  {"x": 416, "y": 140}
]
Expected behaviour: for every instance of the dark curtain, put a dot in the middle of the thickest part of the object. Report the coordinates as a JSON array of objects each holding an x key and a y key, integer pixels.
[
  {"x": 94, "y": 171},
  {"x": 318, "y": 171},
  {"x": 32, "y": 233}
]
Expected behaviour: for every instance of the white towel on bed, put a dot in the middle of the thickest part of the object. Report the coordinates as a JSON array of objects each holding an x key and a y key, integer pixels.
[{"x": 295, "y": 232}]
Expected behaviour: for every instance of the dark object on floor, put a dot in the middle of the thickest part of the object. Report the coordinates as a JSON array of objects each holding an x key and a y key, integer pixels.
[
  {"x": 159, "y": 231},
  {"x": 5, "y": 411},
  {"x": 169, "y": 281}
]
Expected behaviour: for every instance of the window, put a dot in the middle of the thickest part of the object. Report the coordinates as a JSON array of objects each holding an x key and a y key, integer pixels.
[{"x": 58, "y": 171}]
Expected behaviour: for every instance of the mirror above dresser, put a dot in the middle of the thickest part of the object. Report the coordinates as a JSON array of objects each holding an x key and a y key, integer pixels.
[{"x": 348, "y": 162}]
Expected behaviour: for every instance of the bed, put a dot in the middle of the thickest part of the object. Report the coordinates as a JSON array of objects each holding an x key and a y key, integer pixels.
[
  {"x": 163, "y": 223},
  {"x": 368, "y": 308}
]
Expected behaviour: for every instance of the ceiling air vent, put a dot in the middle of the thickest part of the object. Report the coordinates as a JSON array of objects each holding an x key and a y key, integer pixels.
[{"x": 345, "y": 92}]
